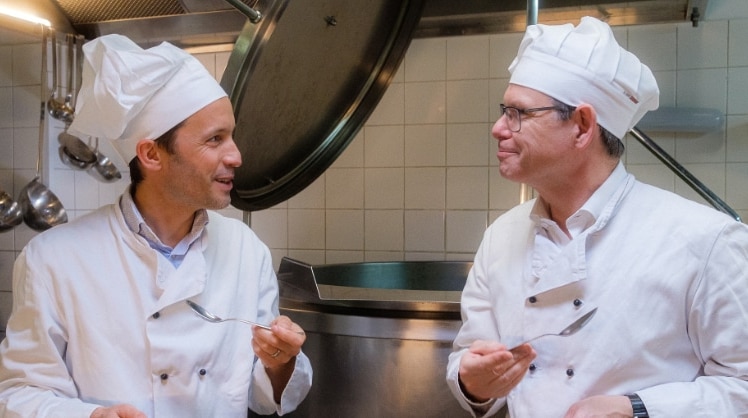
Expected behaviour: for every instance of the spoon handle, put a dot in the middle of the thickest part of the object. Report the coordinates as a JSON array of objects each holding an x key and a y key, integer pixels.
[
  {"x": 532, "y": 339},
  {"x": 247, "y": 321},
  {"x": 257, "y": 324}
]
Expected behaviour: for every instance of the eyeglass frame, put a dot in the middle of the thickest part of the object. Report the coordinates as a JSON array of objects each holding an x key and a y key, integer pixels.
[{"x": 521, "y": 112}]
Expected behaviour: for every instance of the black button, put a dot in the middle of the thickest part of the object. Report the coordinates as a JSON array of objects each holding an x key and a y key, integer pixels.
[
  {"x": 202, "y": 372},
  {"x": 577, "y": 302},
  {"x": 570, "y": 372},
  {"x": 532, "y": 299},
  {"x": 156, "y": 315},
  {"x": 164, "y": 376},
  {"x": 533, "y": 367}
]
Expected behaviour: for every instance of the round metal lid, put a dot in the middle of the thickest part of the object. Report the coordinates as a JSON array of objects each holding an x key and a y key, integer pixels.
[{"x": 303, "y": 81}]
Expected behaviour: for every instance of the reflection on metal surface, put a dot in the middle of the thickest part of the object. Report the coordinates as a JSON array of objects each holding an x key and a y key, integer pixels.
[
  {"x": 301, "y": 282},
  {"x": 375, "y": 358}
]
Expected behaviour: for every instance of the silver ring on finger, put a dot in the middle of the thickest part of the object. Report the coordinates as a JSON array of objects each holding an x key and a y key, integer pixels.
[{"x": 277, "y": 352}]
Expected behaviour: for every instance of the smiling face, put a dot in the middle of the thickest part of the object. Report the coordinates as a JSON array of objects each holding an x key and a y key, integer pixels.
[
  {"x": 543, "y": 148},
  {"x": 200, "y": 172}
]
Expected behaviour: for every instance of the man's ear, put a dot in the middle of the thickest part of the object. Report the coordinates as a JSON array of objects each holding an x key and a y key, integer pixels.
[
  {"x": 148, "y": 154},
  {"x": 585, "y": 119}
]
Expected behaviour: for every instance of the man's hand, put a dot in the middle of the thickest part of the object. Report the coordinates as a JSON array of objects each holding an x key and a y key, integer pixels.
[
  {"x": 117, "y": 411},
  {"x": 279, "y": 346},
  {"x": 601, "y": 407},
  {"x": 277, "y": 350},
  {"x": 488, "y": 370}
]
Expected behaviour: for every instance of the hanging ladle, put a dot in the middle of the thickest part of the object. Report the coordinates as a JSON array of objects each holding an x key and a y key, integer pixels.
[
  {"x": 57, "y": 110},
  {"x": 11, "y": 214},
  {"x": 104, "y": 169},
  {"x": 73, "y": 152},
  {"x": 69, "y": 107},
  {"x": 41, "y": 208}
]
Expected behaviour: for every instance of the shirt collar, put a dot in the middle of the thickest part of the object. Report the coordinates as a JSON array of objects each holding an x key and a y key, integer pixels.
[
  {"x": 590, "y": 212},
  {"x": 137, "y": 224}
]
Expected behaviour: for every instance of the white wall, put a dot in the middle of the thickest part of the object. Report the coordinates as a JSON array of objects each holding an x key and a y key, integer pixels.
[{"x": 420, "y": 180}]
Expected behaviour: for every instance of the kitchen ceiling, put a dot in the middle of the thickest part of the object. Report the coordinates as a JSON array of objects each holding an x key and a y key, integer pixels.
[{"x": 193, "y": 23}]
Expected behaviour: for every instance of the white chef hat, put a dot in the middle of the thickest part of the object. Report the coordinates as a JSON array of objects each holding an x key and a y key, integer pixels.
[
  {"x": 128, "y": 93},
  {"x": 585, "y": 64}
]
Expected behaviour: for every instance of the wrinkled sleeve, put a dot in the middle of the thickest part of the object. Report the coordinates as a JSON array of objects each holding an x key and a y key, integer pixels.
[
  {"x": 718, "y": 329},
  {"x": 34, "y": 380},
  {"x": 477, "y": 323},
  {"x": 261, "y": 398}
]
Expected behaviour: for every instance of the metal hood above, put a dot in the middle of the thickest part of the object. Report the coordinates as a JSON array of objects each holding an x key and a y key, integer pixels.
[{"x": 191, "y": 23}]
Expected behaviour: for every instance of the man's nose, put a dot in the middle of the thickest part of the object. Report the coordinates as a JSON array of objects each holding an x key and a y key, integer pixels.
[
  {"x": 500, "y": 129},
  {"x": 233, "y": 157}
]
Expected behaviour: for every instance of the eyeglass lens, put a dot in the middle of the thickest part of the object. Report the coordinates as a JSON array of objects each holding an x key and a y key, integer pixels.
[{"x": 512, "y": 117}]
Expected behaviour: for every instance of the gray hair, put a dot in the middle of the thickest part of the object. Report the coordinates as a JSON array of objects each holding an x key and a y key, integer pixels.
[{"x": 613, "y": 144}]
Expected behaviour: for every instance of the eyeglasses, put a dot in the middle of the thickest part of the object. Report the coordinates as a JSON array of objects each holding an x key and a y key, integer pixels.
[{"x": 513, "y": 114}]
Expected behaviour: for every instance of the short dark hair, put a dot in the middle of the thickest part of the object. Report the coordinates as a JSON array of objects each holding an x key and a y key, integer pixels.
[
  {"x": 613, "y": 144},
  {"x": 165, "y": 141}
]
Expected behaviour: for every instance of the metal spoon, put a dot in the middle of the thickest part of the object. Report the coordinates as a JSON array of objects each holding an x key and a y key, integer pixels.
[
  {"x": 204, "y": 314},
  {"x": 571, "y": 329}
]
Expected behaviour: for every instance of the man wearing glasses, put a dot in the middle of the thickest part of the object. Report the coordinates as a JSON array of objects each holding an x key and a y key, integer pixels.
[{"x": 669, "y": 277}]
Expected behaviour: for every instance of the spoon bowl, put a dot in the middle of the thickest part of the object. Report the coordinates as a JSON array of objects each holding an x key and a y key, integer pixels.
[
  {"x": 569, "y": 330},
  {"x": 206, "y": 315}
]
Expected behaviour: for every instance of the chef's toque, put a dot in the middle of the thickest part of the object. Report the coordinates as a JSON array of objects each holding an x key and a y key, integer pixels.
[
  {"x": 585, "y": 64},
  {"x": 128, "y": 93}
]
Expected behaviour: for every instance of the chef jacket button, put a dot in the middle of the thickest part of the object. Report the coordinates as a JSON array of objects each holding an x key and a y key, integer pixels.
[
  {"x": 203, "y": 372},
  {"x": 156, "y": 315},
  {"x": 532, "y": 299},
  {"x": 164, "y": 376},
  {"x": 533, "y": 367},
  {"x": 578, "y": 302},
  {"x": 570, "y": 372}
]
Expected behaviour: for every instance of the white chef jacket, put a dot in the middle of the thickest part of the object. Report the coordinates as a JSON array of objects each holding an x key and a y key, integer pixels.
[
  {"x": 99, "y": 318},
  {"x": 670, "y": 280}
]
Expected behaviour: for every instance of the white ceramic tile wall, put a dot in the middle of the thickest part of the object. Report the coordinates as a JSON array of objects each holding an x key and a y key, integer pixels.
[
  {"x": 419, "y": 181},
  {"x": 431, "y": 132}
]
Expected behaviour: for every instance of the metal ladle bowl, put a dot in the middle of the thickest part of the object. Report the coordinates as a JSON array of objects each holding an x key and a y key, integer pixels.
[
  {"x": 11, "y": 213},
  {"x": 75, "y": 153},
  {"x": 41, "y": 208},
  {"x": 104, "y": 169}
]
